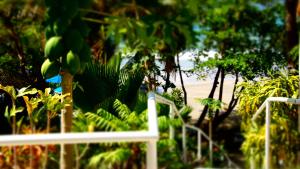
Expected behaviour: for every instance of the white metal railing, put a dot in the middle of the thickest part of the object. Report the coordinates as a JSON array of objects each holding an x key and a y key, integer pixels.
[
  {"x": 150, "y": 137},
  {"x": 174, "y": 111},
  {"x": 267, "y": 105}
]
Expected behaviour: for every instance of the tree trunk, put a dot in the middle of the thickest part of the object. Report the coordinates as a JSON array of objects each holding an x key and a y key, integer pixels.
[
  {"x": 168, "y": 83},
  {"x": 211, "y": 95},
  {"x": 221, "y": 90},
  {"x": 66, "y": 153},
  {"x": 291, "y": 29},
  {"x": 170, "y": 66},
  {"x": 233, "y": 102},
  {"x": 181, "y": 81}
]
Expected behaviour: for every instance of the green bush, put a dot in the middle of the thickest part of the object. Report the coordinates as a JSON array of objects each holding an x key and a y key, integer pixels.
[{"x": 284, "y": 135}]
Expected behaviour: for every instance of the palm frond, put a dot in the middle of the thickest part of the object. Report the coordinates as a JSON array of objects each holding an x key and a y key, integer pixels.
[
  {"x": 185, "y": 112},
  {"x": 115, "y": 62},
  {"x": 164, "y": 122},
  {"x": 100, "y": 82},
  {"x": 97, "y": 83},
  {"x": 130, "y": 83}
]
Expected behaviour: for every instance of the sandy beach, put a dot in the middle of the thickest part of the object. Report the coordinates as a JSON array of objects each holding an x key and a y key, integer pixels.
[{"x": 201, "y": 89}]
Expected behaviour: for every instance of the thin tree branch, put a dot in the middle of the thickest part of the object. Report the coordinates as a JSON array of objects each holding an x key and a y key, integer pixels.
[
  {"x": 181, "y": 81},
  {"x": 211, "y": 95}
]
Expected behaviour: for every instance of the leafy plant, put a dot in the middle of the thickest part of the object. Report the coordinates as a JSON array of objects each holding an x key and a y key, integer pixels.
[
  {"x": 101, "y": 84},
  {"x": 244, "y": 35},
  {"x": 124, "y": 155},
  {"x": 20, "y": 43},
  {"x": 66, "y": 53},
  {"x": 41, "y": 107},
  {"x": 213, "y": 105},
  {"x": 284, "y": 136}
]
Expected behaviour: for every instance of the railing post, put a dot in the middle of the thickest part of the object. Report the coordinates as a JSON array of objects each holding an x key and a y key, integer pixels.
[
  {"x": 267, "y": 141},
  {"x": 252, "y": 160},
  {"x": 298, "y": 153},
  {"x": 298, "y": 19},
  {"x": 184, "y": 143},
  {"x": 229, "y": 163},
  {"x": 210, "y": 143},
  {"x": 62, "y": 146},
  {"x": 151, "y": 162},
  {"x": 299, "y": 118},
  {"x": 199, "y": 153},
  {"x": 171, "y": 128},
  {"x": 152, "y": 124}
]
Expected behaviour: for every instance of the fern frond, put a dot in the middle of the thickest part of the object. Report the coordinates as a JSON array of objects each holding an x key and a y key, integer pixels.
[
  {"x": 110, "y": 158},
  {"x": 107, "y": 121},
  {"x": 163, "y": 143},
  {"x": 176, "y": 122},
  {"x": 163, "y": 123},
  {"x": 122, "y": 110},
  {"x": 134, "y": 121},
  {"x": 185, "y": 112},
  {"x": 141, "y": 103},
  {"x": 143, "y": 116}
]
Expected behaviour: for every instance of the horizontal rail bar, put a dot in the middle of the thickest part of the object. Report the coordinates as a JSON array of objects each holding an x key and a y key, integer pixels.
[
  {"x": 202, "y": 133},
  {"x": 163, "y": 100},
  {"x": 75, "y": 138},
  {"x": 215, "y": 144},
  {"x": 284, "y": 99},
  {"x": 274, "y": 99},
  {"x": 260, "y": 109},
  {"x": 267, "y": 105},
  {"x": 197, "y": 129}
]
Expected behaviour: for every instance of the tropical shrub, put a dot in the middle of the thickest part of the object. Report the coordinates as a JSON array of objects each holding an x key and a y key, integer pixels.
[
  {"x": 100, "y": 84},
  {"x": 284, "y": 135},
  {"x": 128, "y": 155},
  {"x": 31, "y": 111}
]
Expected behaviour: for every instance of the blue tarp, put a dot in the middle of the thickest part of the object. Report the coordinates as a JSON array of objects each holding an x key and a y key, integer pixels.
[
  {"x": 54, "y": 79},
  {"x": 58, "y": 90}
]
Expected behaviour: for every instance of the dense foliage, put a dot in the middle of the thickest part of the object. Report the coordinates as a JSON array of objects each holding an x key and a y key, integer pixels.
[
  {"x": 247, "y": 38},
  {"x": 88, "y": 39},
  {"x": 30, "y": 111},
  {"x": 284, "y": 134},
  {"x": 128, "y": 155},
  {"x": 100, "y": 84},
  {"x": 21, "y": 48}
]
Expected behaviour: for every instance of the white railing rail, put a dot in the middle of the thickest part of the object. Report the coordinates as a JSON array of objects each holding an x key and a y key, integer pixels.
[
  {"x": 174, "y": 111},
  {"x": 267, "y": 105},
  {"x": 150, "y": 137}
]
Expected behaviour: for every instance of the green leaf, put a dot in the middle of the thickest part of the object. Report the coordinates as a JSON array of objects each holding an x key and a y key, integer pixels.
[{"x": 26, "y": 91}]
